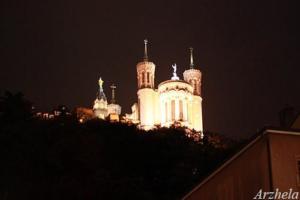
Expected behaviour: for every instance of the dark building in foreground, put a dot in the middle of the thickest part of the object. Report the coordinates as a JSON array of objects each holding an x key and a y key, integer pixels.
[
  {"x": 296, "y": 124},
  {"x": 270, "y": 162}
]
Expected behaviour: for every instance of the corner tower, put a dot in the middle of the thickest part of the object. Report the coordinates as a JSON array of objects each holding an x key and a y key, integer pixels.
[
  {"x": 145, "y": 71},
  {"x": 147, "y": 96},
  {"x": 193, "y": 77}
]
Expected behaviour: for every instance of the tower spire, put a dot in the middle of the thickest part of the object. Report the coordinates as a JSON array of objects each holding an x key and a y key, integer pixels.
[
  {"x": 100, "y": 93},
  {"x": 191, "y": 58},
  {"x": 101, "y": 84},
  {"x": 145, "y": 50},
  {"x": 113, "y": 95}
]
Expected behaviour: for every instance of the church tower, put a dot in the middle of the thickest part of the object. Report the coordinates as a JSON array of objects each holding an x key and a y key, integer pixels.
[
  {"x": 100, "y": 104},
  {"x": 113, "y": 109},
  {"x": 147, "y": 96},
  {"x": 193, "y": 76},
  {"x": 145, "y": 71}
]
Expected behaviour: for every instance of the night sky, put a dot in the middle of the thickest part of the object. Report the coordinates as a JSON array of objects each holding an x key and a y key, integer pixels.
[{"x": 248, "y": 51}]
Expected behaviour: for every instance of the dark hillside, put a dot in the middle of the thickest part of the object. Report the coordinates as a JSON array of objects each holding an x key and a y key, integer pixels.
[{"x": 61, "y": 159}]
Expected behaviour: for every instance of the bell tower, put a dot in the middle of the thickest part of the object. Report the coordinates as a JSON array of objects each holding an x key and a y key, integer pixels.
[
  {"x": 145, "y": 70},
  {"x": 146, "y": 93},
  {"x": 193, "y": 77}
]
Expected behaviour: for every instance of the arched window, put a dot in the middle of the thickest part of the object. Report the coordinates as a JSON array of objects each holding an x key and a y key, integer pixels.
[
  {"x": 173, "y": 110},
  {"x": 180, "y": 110},
  {"x": 195, "y": 86},
  {"x": 148, "y": 77},
  {"x": 143, "y": 78},
  {"x": 166, "y": 111}
]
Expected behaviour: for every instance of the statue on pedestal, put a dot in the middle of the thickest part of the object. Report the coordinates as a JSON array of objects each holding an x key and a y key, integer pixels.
[{"x": 175, "y": 77}]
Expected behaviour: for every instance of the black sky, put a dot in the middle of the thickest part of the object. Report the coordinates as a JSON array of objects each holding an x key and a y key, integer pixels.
[{"x": 55, "y": 51}]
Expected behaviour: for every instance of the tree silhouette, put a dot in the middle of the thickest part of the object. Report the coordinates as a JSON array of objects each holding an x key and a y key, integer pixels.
[
  {"x": 13, "y": 107},
  {"x": 63, "y": 159}
]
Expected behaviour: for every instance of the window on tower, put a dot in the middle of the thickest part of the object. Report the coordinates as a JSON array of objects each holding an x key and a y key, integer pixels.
[
  {"x": 148, "y": 77},
  {"x": 195, "y": 86},
  {"x": 143, "y": 77}
]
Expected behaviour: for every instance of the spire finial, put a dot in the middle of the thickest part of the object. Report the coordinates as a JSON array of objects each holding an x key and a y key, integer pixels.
[
  {"x": 113, "y": 87},
  {"x": 145, "y": 50},
  {"x": 101, "y": 84},
  {"x": 191, "y": 58}
]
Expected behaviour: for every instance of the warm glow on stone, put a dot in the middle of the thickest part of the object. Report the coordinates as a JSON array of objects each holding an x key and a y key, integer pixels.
[{"x": 175, "y": 101}]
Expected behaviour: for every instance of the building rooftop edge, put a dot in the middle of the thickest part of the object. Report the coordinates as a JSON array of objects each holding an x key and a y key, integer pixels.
[
  {"x": 259, "y": 135},
  {"x": 145, "y": 62},
  {"x": 169, "y": 81},
  {"x": 192, "y": 69}
]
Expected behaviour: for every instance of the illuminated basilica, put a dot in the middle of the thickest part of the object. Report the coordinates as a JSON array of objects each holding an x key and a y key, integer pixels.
[{"x": 175, "y": 101}]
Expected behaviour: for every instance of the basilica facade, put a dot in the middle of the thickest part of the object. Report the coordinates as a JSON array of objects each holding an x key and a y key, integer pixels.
[{"x": 174, "y": 102}]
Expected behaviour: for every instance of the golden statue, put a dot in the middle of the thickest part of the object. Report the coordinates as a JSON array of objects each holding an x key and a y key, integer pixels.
[{"x": 101, "y": 83}]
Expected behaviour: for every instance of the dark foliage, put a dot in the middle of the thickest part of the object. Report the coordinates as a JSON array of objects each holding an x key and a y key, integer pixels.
[
  {"x": 13, "y": 107},
  {"x": 61, "y": 159}
]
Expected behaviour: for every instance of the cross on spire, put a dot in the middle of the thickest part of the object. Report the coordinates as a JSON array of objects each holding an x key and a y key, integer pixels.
[
  {"x": 145, "y": 50},
  {"x": 113, "y": 87}
]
